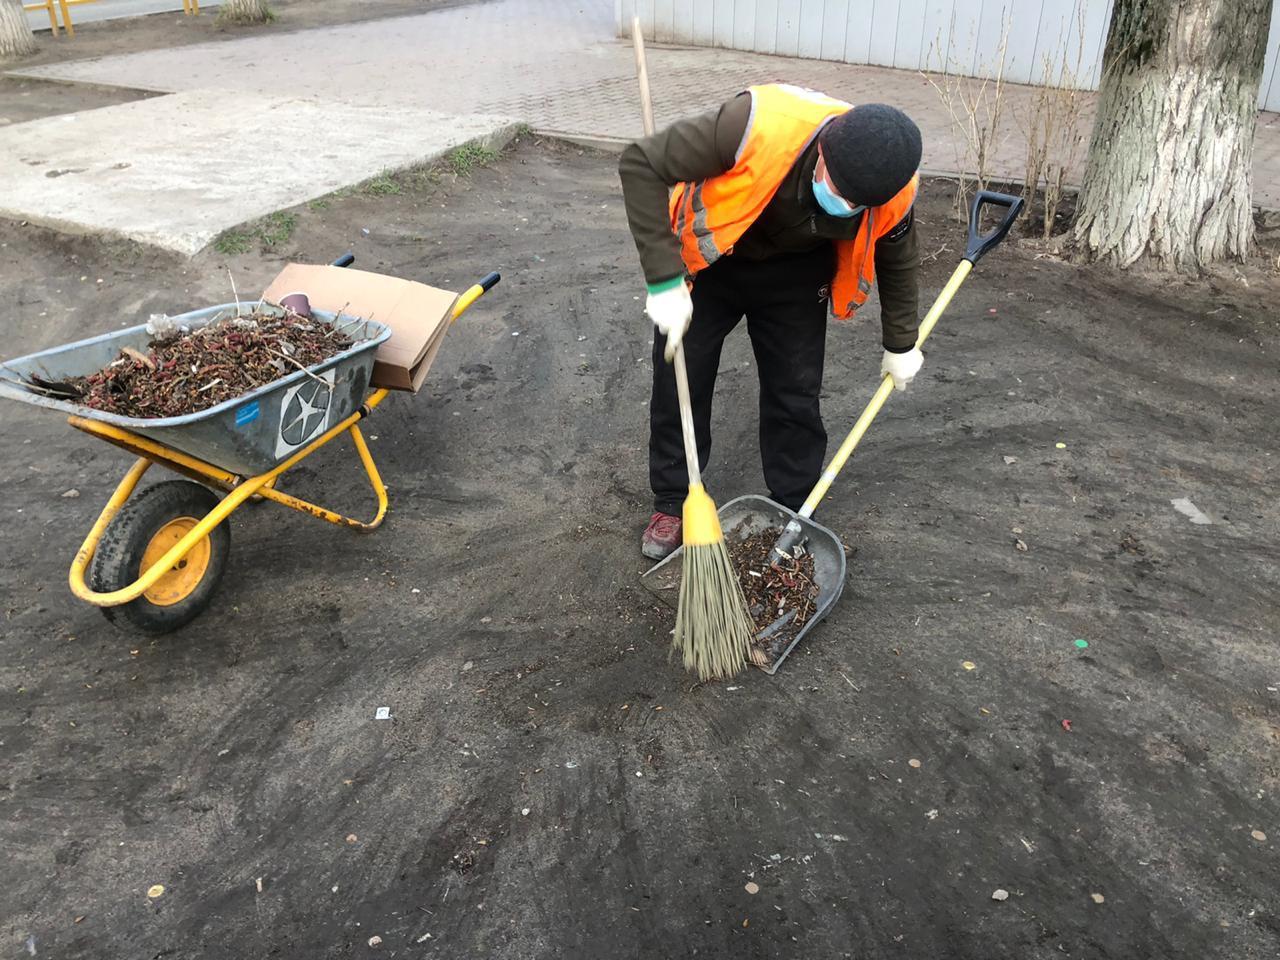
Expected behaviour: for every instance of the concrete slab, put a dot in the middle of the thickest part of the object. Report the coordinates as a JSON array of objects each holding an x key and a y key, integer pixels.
[{"x": 176, "y": 171}]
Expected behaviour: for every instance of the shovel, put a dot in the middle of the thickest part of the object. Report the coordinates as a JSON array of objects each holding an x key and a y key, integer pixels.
[{"x": 749, "y": 515}]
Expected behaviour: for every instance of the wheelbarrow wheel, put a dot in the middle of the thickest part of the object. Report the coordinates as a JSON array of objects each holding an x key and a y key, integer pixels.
[{"x": 146, "y": 527}]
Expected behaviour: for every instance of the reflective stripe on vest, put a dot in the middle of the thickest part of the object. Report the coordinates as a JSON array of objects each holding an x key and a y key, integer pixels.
[{"x": 710, "y": 216}]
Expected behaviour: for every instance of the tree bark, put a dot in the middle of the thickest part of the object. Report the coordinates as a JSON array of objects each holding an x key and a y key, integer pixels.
[
  {"x": 1169, "y": 174},
  {"x": 245, "y": 11},
  {"x": 16, "y": 38}
]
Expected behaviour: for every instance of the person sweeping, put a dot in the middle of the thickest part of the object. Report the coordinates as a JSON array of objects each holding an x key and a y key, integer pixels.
[{"x": 782, "y": 205}]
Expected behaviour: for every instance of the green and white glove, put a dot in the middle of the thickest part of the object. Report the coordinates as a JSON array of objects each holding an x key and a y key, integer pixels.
[
  {"x": 670, "y": 308},
  {"x": 903, "y": 367}
]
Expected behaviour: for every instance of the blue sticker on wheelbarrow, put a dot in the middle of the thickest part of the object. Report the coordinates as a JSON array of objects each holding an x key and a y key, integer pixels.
[
  {"x": 304, "y": 413},
  {"x": 247, "y": 414}
]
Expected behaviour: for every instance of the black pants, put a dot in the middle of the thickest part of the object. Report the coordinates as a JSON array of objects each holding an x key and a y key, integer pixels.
[{"x": 785, "y": 303}]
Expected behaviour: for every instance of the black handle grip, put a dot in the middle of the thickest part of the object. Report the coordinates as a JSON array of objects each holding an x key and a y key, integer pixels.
[
  {"x": 346, "y": 260},
  {"x": 980, "y": 244},
  {"x": 490, "y": 280}
]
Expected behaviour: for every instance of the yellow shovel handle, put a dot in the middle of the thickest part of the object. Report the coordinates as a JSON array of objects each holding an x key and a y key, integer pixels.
[{"x": 881, "y": 395}]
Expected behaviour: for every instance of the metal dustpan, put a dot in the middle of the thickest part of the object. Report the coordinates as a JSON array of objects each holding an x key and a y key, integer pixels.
[{"x": 740, "y": 518}]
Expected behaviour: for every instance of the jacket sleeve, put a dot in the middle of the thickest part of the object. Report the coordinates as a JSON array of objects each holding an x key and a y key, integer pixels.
[
  {"x": 692, "y": 149},
  {"x": 897, "y": 263}
]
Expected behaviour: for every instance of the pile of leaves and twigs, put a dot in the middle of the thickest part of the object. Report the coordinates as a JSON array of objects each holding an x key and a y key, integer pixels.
[
  {"x": 188, "y": 372},
  {"x": 774, "y": 591}
]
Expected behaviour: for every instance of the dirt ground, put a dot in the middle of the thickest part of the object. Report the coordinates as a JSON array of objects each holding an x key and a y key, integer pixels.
[
  {"x": 22, "y": 100},
  {"x": 550, "y": 785}
]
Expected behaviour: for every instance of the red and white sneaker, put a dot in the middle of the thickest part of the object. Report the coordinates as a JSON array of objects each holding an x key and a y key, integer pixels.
[{"x": 662, "y": 536}]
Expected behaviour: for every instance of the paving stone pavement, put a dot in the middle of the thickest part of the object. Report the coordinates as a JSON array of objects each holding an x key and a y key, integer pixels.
[{"x": 556, "y": 65}]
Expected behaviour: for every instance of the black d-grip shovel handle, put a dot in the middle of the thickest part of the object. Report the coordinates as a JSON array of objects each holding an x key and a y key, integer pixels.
[{"x": 980, "y": 244}]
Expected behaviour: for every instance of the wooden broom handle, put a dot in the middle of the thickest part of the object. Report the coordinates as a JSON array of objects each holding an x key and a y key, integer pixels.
[{"x": 677, "y": 359}]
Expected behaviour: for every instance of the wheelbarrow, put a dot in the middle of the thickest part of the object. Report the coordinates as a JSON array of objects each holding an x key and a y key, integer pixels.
[
  {"x": 798, "y": 532},
  {"x": 154, "y": 559}
]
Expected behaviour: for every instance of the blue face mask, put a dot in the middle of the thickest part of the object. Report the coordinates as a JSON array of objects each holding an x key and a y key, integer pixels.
[{"x": 832, "y": 204}]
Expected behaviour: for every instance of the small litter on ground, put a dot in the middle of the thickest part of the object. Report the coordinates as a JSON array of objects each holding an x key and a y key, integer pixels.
[
  {"x": 1189, "y": 510},
  {"x": 1000, "y": 895},
  {"x": 382, "y": 713}
]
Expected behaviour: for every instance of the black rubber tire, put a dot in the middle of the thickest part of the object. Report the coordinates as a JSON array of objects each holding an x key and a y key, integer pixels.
[{"x": 119, "y": 555}]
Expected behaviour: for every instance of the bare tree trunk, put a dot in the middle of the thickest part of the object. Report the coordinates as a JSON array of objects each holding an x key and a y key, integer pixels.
[
  {"x": 16, "y": 38},
  {"x": 245, "y": 11},
  {"x": 1169, "y": 174}
]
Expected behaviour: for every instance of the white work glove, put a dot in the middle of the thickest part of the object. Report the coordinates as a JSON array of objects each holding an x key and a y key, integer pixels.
[
  {"x": 670, "y": 308},
  {"x": 903, "y": 367}
]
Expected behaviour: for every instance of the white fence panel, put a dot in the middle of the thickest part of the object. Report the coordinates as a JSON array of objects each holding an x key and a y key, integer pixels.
[
  {"x": 744, "y": 24},
  {"x": 788, "y": 28},
  {"x": 935, "y": 31},
  {"x": 704, "y": 34},
  {"x": 767, "y": 26},
  {"x": 858, "y": 32},
  {"x": 664, "y": 21},
  {"x": 1270, "y": 97},
  {"x": 811, "y": 15},
  {"x": 723, "y": 23},
  {"x": 965, "y": 36},
  {"x": 835, "y": 26},
  {"x": 907, "y": 38},
  {"x": 882, "y": 30}
]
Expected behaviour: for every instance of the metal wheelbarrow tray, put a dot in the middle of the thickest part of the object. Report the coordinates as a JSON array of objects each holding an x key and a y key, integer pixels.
[
  {"x": 155, "y": 559},
  {"x": 245, "y": 435}
]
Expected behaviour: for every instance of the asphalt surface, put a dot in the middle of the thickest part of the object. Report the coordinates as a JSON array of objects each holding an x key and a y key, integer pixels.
[{"x": 549, "y": 784}]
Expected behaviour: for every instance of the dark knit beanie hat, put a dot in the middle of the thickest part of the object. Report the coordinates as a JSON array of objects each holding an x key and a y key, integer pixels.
[{"x": 871, "y": 152}]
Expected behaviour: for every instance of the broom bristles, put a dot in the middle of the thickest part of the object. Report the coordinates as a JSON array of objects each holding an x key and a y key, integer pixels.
[{"x": 714, "y": 631}]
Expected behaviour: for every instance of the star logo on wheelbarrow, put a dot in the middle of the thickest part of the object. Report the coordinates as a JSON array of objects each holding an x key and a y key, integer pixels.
[{"x": 304, "y": 413}]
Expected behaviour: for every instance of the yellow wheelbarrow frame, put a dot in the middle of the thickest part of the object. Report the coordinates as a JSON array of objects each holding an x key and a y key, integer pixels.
[{"x": 239, "y": 489}]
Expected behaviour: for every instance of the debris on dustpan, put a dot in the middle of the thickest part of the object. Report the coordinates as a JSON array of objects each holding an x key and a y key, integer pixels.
[
  {"x": 785, "y": 591},
  {"x": 1189, "y": 510}
]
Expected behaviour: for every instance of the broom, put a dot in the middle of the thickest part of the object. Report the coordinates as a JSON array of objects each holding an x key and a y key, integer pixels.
[{"x": 713, "y": 628}]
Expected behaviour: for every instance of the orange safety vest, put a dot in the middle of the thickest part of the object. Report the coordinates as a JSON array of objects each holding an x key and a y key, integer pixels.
[{"x": 711, "y": 215}]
